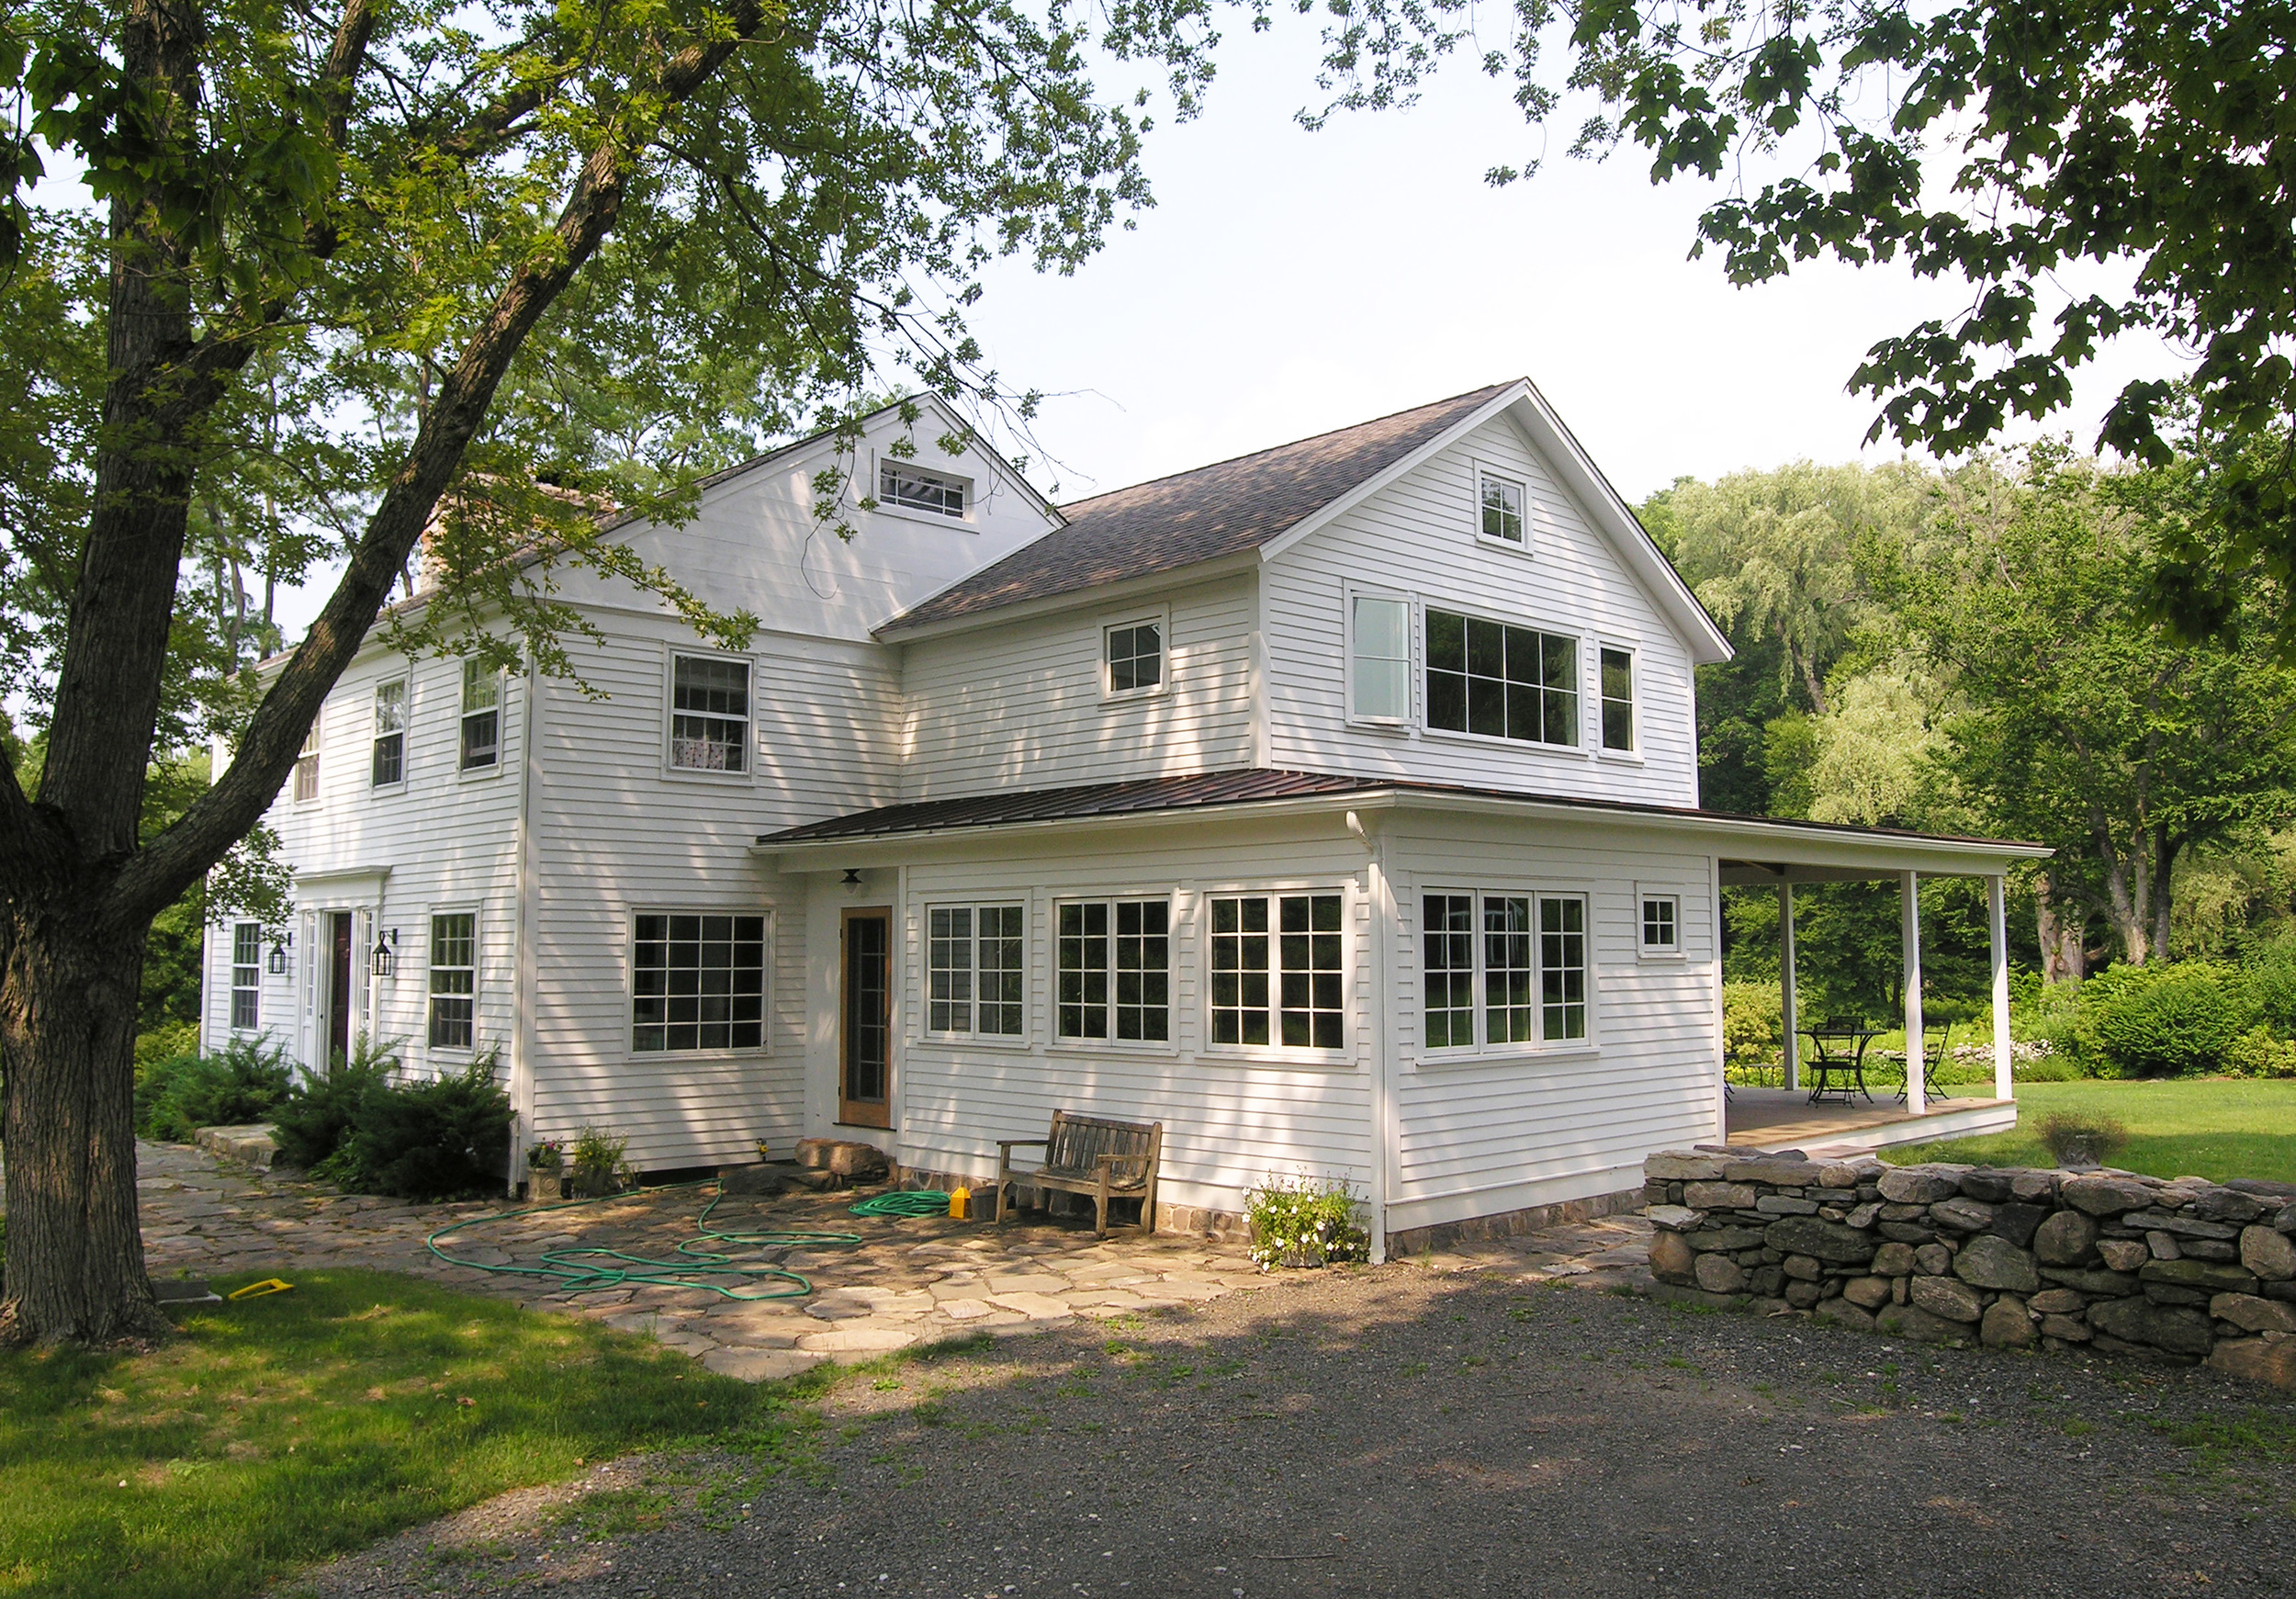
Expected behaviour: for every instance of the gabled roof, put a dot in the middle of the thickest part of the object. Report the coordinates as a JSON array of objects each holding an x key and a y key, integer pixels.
[{"x": 1192, "y": 517}]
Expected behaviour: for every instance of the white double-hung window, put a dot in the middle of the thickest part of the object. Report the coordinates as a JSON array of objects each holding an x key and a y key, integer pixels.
[
  {"x": 246, "y": 977},
  {"x": 709, "y": 713},
  {"x": 974, "y": 966},
  {"x": 1504, "y": 969},
  {"x": 1379, "y": 657},
  {"x": 481, "y": 715},
  {"x": 1278, "y": 971},
  {"x": 454, "y": 970},
  {"x": 390, "y": 732}
]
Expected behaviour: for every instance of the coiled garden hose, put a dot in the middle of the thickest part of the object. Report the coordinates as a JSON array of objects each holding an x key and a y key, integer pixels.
[
  {"x": 904, "y": 1202},
  {"x": 590, "y": 1271}
]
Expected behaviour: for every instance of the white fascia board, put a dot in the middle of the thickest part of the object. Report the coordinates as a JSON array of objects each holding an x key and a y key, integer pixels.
[
  {"x": 1091, "y": 597},
  {"x": 1817, "y": 847}
]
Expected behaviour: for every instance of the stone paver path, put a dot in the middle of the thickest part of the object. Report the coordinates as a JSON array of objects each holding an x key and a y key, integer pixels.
[{"x": 910, "y": 1281}]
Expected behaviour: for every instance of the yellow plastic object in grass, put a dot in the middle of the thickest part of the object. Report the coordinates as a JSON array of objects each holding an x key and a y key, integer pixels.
[{"x": 255, "y": 1290}]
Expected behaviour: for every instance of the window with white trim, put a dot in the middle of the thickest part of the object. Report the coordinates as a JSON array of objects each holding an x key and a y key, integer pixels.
[
  {"x": 698, "y": 982},
  {"x": 1500, "y": 503},
  {"x": 481, "y": 715},
  {"x": 1134, "y": 655},
  {"x": 973, "y": 957},
  {"x": 390, "y": 732},
  {"x": 1618, "y": 698},
  {"x": 454, "y": 965},
  {"x": 1501, "y": 682},
  {"x": 1114, "y": 970},
  {"x": 1278, "y": 975},
  {"x": 246, "y": 977},
  {"x": 899, "y": 483},
  {"x": 1503, "y": 969},
  {"x": 709, "y": 713},
  {"x": 1379, "y": 658},
  {"x": 1662, "y": 924},
  {"x": 307, "y": 766}
]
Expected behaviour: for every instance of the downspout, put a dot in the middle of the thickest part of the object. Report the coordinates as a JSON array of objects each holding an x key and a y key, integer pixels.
[
  {"x": 1382, "y": 1101},
  {"x": 521, "y": 932}
]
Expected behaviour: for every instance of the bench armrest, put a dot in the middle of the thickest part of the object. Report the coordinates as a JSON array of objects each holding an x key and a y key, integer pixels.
[{"x": 1107, "y": 1161}]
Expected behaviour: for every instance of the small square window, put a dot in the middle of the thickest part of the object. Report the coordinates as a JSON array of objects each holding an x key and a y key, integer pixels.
[
  {"x": 1661, "y": 932},
  {"x": 1135, "y": 657},
  {"x": 1501, "y": 501}
]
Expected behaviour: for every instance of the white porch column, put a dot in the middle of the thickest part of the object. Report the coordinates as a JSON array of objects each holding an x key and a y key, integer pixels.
[
  {"x": 1996, "y": 906},
  {"x": 1910, "y": 931},
  {"x": 1785, "y": 985}
]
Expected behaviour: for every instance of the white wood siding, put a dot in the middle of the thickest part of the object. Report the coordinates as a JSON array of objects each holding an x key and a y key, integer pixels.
[
  {"x": 1477, "y": 1136},
  {"x": 1020, "y": 703},
  {"x": 1230, "y": 1120},
  {"x": 1419, "y": 535}
]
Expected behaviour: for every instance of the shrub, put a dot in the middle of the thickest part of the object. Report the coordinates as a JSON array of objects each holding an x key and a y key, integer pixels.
[
  {"x": 317, "y": 1118},
  {"x": 2256, "y": 1054},
  {"x": 1305, "y": 1221},
  {"x": 2271, "y": 982},
  {"x": 2178, "y": 1020},
  {"x": 178, "y": 1095},
  {"x": 432, "y": 1138},
  {"x": 1753, "y": 1017},
  {"x": 2081, "y": 1139},
  {"x": 597, "y": 1166}
]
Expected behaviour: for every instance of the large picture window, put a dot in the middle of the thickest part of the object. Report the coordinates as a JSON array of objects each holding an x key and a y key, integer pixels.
[
  {"x": 1502, "y": 682},
  {"x": 1115, "y": 970},
  {"x": 390, "y": 732},
  {"x": 973, "y": 965},
  {"x": 454, "y": 980},
  {"x": 699, "y": 982},
  {"x": 1278, "y": 971},
  {"x": 709, "y": 713},
  {"x": 1504, "y": 969},
  {"x": 246, "y": 977},
  {"x": 481, "y": 715}
]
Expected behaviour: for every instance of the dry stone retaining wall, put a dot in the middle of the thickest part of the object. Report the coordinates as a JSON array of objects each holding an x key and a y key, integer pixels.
[{"x": 2183, "y": 1272}]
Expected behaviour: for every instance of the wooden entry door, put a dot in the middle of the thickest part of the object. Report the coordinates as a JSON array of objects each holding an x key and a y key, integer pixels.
[
  {"x": 865, "y": 1030},
  {"x": 341, "y": 954}
]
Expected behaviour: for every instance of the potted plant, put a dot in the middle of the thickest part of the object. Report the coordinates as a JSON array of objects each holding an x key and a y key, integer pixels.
[
  {"x": 599, "y": 1169},
  {"x": 545, "y": 1169}
]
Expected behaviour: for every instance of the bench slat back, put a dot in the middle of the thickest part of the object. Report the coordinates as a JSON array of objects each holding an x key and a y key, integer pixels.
[{"x": 1078, "y": 1142}]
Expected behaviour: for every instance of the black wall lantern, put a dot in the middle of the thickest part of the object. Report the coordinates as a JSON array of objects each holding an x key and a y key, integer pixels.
[
  {"x": 279, "y": 948},
  {"x": 386, "y": 953}
]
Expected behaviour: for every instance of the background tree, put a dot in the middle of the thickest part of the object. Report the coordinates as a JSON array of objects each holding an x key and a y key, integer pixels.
[{"x": 345, "y": 265}]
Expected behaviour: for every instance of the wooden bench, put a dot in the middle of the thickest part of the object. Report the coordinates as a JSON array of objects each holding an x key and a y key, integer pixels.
[{"x": 1090, "y": 1156}]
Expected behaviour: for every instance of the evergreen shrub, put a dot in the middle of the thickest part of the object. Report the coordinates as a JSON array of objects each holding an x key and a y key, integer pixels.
[
  {"x": 178, "y": 1096},
  {"x": 435, "y": 1138},
  {"x": 314, "y": 1122},
  {"x": 2170, "y": 1021}
]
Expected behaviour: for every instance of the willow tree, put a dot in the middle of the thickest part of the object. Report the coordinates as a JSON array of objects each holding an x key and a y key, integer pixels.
[{"x": 305, "y": 272}]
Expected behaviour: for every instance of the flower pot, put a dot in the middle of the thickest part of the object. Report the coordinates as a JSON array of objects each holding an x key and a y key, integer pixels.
[{"x": 544, "y": 1187}]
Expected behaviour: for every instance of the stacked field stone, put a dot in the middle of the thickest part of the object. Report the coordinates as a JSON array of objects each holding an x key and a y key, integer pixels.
[{"x": 2183, "y": 1272}]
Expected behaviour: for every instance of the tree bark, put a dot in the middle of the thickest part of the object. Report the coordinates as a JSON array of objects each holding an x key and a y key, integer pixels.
[
  {"x": 2060, "y": 922},
  {"x": 2166, "y": 847}
]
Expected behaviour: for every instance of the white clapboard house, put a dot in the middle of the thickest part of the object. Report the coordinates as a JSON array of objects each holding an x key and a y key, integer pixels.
[{"x": 1335, "y": 805}]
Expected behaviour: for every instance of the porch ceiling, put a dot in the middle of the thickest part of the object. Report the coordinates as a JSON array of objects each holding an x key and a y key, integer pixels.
[{"x": 1769, "y": 875}]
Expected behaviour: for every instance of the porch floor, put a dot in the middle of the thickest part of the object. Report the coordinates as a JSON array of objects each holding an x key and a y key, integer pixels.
[{"x": 1784, "y": 1119}]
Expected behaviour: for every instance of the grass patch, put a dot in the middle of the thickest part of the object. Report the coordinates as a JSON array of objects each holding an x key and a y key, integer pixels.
[
  {"x": 2256, "y": 1433},
  {"x": 2211, "y": 1127},
  {"x": 282, "y": 1430}
]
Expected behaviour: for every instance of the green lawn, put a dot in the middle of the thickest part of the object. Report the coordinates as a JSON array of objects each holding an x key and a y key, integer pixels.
[
  {"x": 281, "y": 1430},
  {"x": 2211, "y": 1127}
]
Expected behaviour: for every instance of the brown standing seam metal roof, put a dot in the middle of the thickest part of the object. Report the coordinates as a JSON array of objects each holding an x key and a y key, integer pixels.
[
  {"x": 1246, "y": 786},
  {"x": 1170, "y": 522}
]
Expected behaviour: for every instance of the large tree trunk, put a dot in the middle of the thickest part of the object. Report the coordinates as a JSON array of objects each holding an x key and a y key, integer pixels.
[
  {"x": 74, "y": 1269},
  {"x": 2164, "y": 850},
  {"x": 2062, "y": 921}
]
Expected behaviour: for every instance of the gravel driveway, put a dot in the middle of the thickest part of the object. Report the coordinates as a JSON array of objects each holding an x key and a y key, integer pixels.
[{"x": 1397, "y": 1431}]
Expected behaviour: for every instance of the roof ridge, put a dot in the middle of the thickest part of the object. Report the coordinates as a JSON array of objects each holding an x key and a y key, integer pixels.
[{"x": 1288, "y": 443}]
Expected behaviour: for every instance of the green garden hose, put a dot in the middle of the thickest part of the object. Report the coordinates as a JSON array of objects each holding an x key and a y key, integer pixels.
[
  {"x": 905, "y": 1202},
  {"x": 577, "y": 1271}
]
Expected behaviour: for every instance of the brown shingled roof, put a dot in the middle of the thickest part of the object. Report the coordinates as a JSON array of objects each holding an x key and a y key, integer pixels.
[{"x": 1170, "y": 522}]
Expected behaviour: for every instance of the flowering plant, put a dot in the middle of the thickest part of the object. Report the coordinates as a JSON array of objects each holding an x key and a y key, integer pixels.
[
  {"x": 547, "y": 1156},
  {"x": 1305, "y": 1220}
]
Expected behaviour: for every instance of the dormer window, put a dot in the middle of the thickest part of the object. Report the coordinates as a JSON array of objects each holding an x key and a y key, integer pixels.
[
  {"x": 1501, "y": 501},
  {"x": 899, "y": 483}
]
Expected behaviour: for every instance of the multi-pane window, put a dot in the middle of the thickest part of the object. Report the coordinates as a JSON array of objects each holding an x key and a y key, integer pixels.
[
  {"x": 1380, "y": 661},
  {"x": 699, "y": 982},
  {"x": 1502, "y": 682},
  {"x": 1278, "y": 972},
  {"x": 1501, "y": 507},
  {"x": 307, "y": 766},
  {"x": 454, "y": 979},
  {"x": 1504, "y": 969},
  {"x": 1114, "y": 970},
  {"x": 481, "y": 714},
  {"x": 1135, "y": 657},
  {"x": 973, "y": 972},
  {"x": 390, "y": 732},
  {"x": 1618, "y": 699},
  {"x": 899, "y": 483},
  {"x": 246, "y": 977},
  {"x": 709, "y": 713},
  {"x": 1661, "y": 934}
]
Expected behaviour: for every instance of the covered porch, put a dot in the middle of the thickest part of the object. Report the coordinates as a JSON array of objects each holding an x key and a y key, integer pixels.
[{"x": 1773, "y": 1119}]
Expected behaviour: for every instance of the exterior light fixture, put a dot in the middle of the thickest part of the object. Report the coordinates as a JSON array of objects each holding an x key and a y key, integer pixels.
[
  {"x": 852, "y": 880},
  {"x": 386, "y": 953},
  {"x": 279, "y": 948}
]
